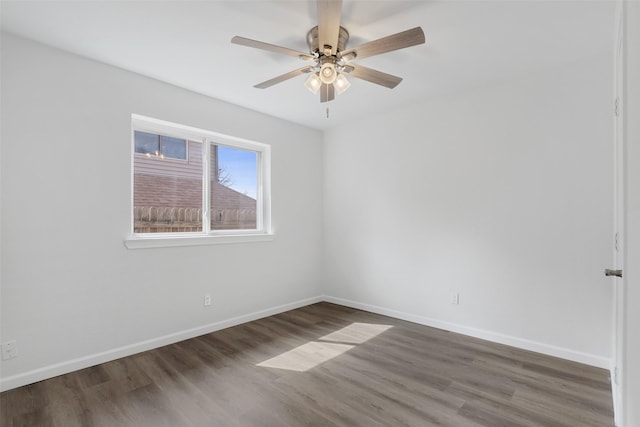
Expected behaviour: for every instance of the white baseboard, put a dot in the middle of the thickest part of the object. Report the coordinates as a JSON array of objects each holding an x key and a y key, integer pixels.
[
  {"x": 551, "y": 350},
  {"x": 107, "y": 356}
]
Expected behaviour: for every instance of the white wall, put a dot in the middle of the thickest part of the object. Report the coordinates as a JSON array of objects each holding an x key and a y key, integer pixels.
[
  {"x": 70, "y": 288},
  {"x": 502, "y": 195},
  {"x": 631, "y": 108}
]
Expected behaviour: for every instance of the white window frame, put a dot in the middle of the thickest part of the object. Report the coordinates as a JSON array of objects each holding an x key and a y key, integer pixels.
[{"x": 263, "y": 230}]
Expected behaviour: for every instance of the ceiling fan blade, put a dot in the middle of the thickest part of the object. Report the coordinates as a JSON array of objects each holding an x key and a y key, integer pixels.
[
  {"x": 283, "y": 77},
  {"x": 327, "y": 93},
  {"x": 329, "y": 24},
  {"x": 373, "y": 76},
  {"x": 270, "y": 47},
  {"x": 390, "y": 43}
]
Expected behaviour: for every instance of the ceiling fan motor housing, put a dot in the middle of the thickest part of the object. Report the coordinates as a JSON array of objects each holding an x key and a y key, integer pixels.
[{"x": 312, "y": 40}]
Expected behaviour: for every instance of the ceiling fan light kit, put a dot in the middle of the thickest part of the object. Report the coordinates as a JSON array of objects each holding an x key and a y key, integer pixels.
[
  {"x": 313, "y": 83},
  {"x": 341, "y": 84},
  {"x": 328, "y": 73},
  {"x": 327, "y": 42}
]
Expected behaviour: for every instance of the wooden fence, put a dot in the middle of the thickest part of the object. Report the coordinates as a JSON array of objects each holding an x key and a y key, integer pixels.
[{"x": 148, "y": 219}]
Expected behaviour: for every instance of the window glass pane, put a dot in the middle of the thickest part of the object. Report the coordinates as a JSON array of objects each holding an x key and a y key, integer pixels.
[
  {"x": 173, "y": 147},
  {"x": 167, "y": 196},
  {"x": 234, "y": 187},
  {"x": 146, "y": 143}
]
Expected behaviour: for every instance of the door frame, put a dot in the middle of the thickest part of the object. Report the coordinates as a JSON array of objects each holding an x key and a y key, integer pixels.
[{"x": 619, "y": 327}]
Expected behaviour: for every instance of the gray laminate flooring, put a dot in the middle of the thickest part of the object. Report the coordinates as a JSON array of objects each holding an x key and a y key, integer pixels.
[{"x": 321, "y": 365}]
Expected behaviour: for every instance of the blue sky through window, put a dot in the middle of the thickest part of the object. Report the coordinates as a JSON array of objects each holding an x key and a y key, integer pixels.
[{"x": 241, "y": 165}]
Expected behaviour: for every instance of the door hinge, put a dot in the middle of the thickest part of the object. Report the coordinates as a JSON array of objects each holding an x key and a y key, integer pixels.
[
  {"x": 616, "y": 107},
  {"x": 615, "y": 375},
  {"x": 616, "y": 241}
]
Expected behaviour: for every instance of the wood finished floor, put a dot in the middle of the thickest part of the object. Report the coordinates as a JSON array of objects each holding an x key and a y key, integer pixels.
[{"x": 406, "y": 375}]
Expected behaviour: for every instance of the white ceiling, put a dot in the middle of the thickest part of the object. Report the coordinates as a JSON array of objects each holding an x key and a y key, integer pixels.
[{"x": 187, "y": 43}]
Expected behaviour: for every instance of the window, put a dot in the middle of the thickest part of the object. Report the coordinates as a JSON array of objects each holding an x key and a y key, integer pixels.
[{"x": 178, "y": 195}]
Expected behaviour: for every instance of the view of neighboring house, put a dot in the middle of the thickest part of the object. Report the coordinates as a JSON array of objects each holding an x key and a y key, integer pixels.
[{"x": 168, "y": 189}]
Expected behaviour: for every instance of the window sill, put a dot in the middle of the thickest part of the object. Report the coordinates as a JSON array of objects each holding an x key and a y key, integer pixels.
[{"x": 165, "y": 241}]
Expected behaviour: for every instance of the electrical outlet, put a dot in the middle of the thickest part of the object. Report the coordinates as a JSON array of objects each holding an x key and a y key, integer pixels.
[
  {"x": 9, "y": 350},
  {"x": 455, "y": 298},
  {"x": 207, "y": 300}
]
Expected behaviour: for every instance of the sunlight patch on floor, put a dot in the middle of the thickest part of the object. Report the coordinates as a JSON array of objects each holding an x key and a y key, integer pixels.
[
  {"x": 314, "y": 353},
  {"x": 306, "y": 356},
  {"x": 356, "y": 333}
]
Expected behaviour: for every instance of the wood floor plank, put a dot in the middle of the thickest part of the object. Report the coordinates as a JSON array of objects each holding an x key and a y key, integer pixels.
[{"x": 388, "y": 372}]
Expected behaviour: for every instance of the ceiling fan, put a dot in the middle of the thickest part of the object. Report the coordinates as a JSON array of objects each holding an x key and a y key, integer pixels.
[{"x": 331, "y": 61}]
